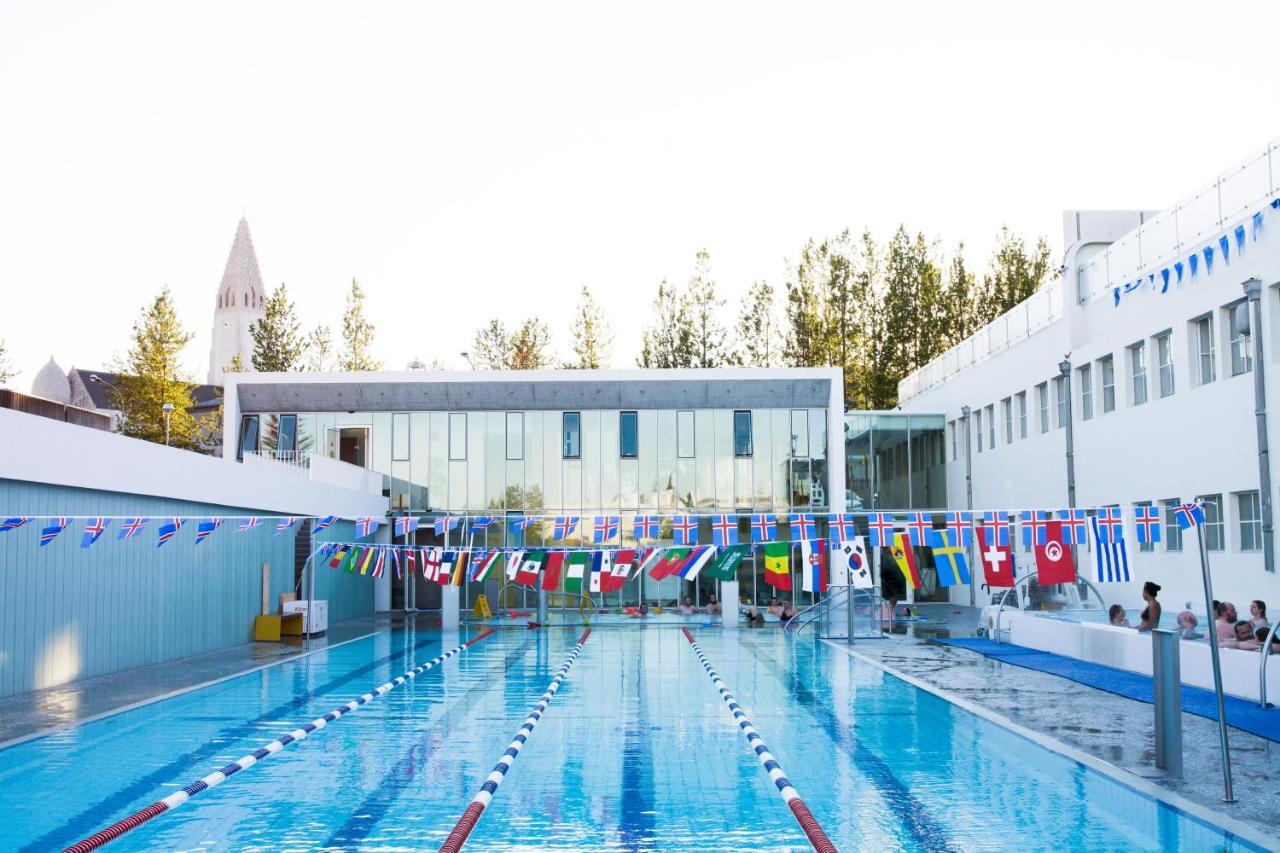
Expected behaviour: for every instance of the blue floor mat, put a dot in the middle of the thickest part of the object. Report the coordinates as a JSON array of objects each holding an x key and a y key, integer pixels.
[{"x": 1241, "y": 714}]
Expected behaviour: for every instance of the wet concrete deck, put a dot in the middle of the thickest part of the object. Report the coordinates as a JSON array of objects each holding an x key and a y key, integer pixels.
[{"x": 1112, "y": 728}]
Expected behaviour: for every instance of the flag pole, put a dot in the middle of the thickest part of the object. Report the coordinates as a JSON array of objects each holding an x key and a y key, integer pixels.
[{"x": 1228, "y": 796}]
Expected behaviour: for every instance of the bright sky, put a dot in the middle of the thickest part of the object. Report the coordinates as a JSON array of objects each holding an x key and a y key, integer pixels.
[{"x": 468, "y": 160}]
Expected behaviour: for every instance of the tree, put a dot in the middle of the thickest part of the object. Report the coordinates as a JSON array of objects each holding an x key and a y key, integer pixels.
[
  {"x": 236, "y": 365},
  {"x": 958, "y": 312},
  {"x": 668, "y": 343},
  {"x": 6, "y": 367},
  {"x": 491, "y": 348},
  {"x": 319, "y": 356},
  {"x": 703, "y": 308},
  {"x": 758, "y": 339},
  {"x": 531, "y": 346},
  {"x": 591, "y": 334},
  {"x": 278, "y": 345},
  {"x": 151, "y": 375},
  {"x": 1014, "y": 274},
  {"x": 357, "y": 334}
]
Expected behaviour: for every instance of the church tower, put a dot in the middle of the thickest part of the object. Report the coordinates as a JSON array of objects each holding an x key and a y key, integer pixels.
[{"x": 240, "y": 305}]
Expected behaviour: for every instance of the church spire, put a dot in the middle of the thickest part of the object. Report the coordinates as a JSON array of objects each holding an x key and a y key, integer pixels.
[{"x": 239, "y": 305}]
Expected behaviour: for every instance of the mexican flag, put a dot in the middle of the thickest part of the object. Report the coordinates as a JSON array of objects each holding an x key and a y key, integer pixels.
[
  {"x": 622, "y": 563},
  {"x": 725, "y": 567},
  {"x": 530, "y": 568},
  {"x": 777, "y": 564},
  {"x": 578, "y": 561}
]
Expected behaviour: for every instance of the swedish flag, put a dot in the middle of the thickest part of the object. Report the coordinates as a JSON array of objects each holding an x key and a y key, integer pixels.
[{"x": 949, "y": 558}]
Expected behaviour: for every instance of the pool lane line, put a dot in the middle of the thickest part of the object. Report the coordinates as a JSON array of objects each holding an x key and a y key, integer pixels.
[
  {"x": 484, "y": 796},
  {"x": 216, "y": 778},
  {"x": 804, "y": 817}
]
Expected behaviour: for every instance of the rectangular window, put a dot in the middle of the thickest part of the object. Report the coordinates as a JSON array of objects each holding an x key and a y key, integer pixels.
[
  {"x": 977, "y": 426},
  {"x": 457, "y": 435},
  {"x": 1214, "y": 527},
  {"x": 286, "y": 436},
  {"x": 1172, "y": 531},
  {"x": 1085, "y": 378},
  {"x": 248, "y": 436},
  {"x": 991, "y": 426},
  {"x": 629, "y": 435},
  {"x": 1138, "y": 373},
  {"x": 951, "y": 430},
  {"x": 1060, "y": 397},
  {"x": 684, "y": 435},
  {"x": 400, "y": 437},
  {"x": 1042, "y": 403},
  {"x": 1164, "y": 360},
  {"x": 1205, "y": 372},
  {"x": 1238, "y": 326},
  {"x": 1250, "y": 515},
  {"x": 571, "y": 435},
  {"x": 1148, "y": 545},
  {"x": 800, "y": 433},
  {"x": 1022, "y": 414},
  {"x": 515, "y": 436},
  {"x": 741, "y": 433},
  {"x": 1006, "y": 409},
  {"x": 1107, "y": 367}
]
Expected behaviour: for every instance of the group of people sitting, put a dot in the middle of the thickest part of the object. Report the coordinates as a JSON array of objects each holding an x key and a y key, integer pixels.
[
  {"x": 784, "y": 610},
  {"x": 1232, "y": 632}
]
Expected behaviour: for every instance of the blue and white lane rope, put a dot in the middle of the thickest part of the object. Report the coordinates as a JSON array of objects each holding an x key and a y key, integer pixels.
[
  {"x": 484, "y": 796},
  {"x": 790, "y": 796},
  {"x": 216, "y": 778}
]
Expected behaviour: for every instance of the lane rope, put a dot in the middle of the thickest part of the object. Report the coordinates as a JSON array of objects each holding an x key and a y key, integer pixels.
[
  {"x": 484, "y": 796},
  {"x": 790, "y": 796},
  {"x": 177, "y": 798}
]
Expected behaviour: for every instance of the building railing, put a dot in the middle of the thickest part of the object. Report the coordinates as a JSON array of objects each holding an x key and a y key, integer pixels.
[{"x": 295, "y": 462}]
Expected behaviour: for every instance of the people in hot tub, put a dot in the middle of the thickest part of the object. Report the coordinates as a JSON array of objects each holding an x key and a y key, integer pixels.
[
  {"x": 1225, "y": 625},
  {"x": 1258, "y": 614},
  {"x": 1116, "y": 614},
  {"x": 1187, "y": 624},
  {"x": 1150, "y": 616},
  {"x": 1243, "y": 638}
]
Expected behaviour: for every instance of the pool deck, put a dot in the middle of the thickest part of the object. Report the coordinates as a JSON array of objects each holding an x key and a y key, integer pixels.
[{"x": 1111, "y": 728}]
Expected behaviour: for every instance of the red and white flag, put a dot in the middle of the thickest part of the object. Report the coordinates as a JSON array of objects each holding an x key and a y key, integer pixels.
[
  {"x": 1053, "y": 559},
  {"x": 551, "y": 571},
  {"x": 622, "y": 563},
  {"x": 997, "y": 560}
]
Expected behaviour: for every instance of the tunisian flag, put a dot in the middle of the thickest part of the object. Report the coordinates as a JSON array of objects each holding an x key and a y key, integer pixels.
[
  {"x": 1053, "y": 559},
  {"x": 997, "y": 561}
]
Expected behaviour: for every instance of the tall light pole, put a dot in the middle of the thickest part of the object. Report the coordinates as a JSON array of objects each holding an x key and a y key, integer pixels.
[
  {"x": 1064, "y": 368},
  {"x": 968, "y": 485},
  {"x": 167, "y": 408},
  {"x": 1253, "y": 291}
]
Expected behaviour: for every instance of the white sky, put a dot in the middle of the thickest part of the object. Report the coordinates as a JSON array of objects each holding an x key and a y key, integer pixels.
[{"x": 467, "y": 160}]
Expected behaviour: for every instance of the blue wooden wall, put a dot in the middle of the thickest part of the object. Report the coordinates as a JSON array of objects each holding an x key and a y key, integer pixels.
[{"x": 68, "y": 613}]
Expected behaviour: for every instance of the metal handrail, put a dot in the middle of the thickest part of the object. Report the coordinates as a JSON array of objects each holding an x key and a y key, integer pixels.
[
  {"x": 1263, "y": 654},
  {"x": 826, "y": 602},
  {"x": 995, "y": 628}
]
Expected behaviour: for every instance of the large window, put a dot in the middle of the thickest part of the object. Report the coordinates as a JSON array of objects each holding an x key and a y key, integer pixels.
[
  {"x": 977, "y": 425},
  {"x": 1085, "y": 374},
  {"x": 1022, "y": 414},
  {"x": 1164, "y": 359},
  {"x": 400, "y": 437},
  {"x": 515, "y": 436},
  {"x": 1006, "y": 409},
  {"x": 1172, "y": 530},
  {"x": 1042, "y": 403},
  {"x": 1238, "y": 324},
  {"x": 286, "y": 436},
  {"x": 1107, "y": 366},
  {"x": 248, "y": 436},
  {"x": 800, "y": 433},
  {"x": 629, "y": 435},
  {"x": 684, "y": 435},
  {"x": 457, "y": 435},
  {"x": 1138, "y": 374},
  {"x": 1203, "y": 328},
  {"x": 1060, "y": 397},
  {"x": 571, "y": 435},
  {"x": 1214, "y": 528},
  {"x": 741, "y": 433},
  {"x": 1250, "y": 515}
]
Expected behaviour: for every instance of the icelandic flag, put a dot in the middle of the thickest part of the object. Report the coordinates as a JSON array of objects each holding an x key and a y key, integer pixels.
[
  {"x": 14, "y": 522},
  {"x": 325, "y": 523},
  {"x": 480, "y": 523},
  {"x": 645, "y": 527},
  {"x": 285, "y": 523},
  {"x": 1110, "y": 524},
  {"x": 684, "y": 529},
  {"x": 168, "y": 530},
  {"x": 960, "y": 524},
  {"x": 405, "y": 524},
  {"x": 606, "y": 528},
  {"x": 802, "y": 527},
  {"x": 764, "y": 528},
  {"x": 1074, "y": 531},
  {"x": 813, "y": 571},
  {"x": 445, "y": 523},
  {"x": 564, "y": 527},
  {"x": 525, "y": 522},
  {"x": 996, "y": 525},
  {"x": 56, "y": 526},
  {"x": 1111, "y": 557},
  {"x": 919, "y": 529},
  {"x": 93, "y": 530},
  {"x": 131, "y": 528},
  {"x": 1189, "y": 515},
  {"x": 249, "y": 524},
  {"x": 880, "y": 526},
  {"x": 1147, "y": 519},
  {"x": 366, "y": 527},
  {"x": 724, "y": 530},
  {"x": 205, "y": 528},
  {"x": 1035, "y": 527},
  {"x": 841, "y": 528}
]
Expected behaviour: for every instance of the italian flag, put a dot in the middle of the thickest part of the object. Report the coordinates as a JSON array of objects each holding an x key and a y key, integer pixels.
[
  {"x": 577, "y": 568},
  {"x": 777, "y": 565}
]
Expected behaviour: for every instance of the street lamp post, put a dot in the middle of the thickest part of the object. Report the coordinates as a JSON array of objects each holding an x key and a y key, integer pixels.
[
  {"x": 968, "y": 486},
  {"x": 1253, "y": 291},
  {"x": 1064, "y": 368},
  {"x": 167, "y": 408}
]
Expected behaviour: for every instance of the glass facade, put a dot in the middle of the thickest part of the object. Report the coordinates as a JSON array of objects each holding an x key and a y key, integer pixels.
[{"x": 895, "y": 461}]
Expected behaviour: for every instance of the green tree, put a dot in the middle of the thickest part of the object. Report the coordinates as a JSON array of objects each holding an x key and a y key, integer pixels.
[
  {"x": 958, "y": 314},
  {"x": 668, "y": 343},
  {"x": 236, "y": 365},
  {"x": 759, "y": 342},
  {"x": 357, "y": 334},
  {"x": 491, "y": 347},
  {"x": 319, "y": 357},
  {"x": 591, "y": 334},
  {"x": 1015, "y": 272},
  {"x": 6, "y": 367},
  {"x": 711, "y": 345},
  {"x": 151, "y": 376},
  {"x": 278, "y": 345},
  {"x": 531, "y": 346}
]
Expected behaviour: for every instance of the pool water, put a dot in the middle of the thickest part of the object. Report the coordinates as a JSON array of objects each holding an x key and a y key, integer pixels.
[{"x": 636, "y": 752}]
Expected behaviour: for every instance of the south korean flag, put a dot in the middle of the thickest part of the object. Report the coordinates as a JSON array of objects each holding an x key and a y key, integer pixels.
[{"x": 852, "y": 556}]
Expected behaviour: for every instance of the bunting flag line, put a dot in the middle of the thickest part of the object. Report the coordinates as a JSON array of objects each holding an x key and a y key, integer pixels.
[
  {"x": 325, "y": 523},
  {"x": 803, "y": 527},
  {"x": 960, "y": 525},
  {"x": 131, "y": 528},
  {"x": 1110, "y": 524},
  {"x": 997, "y": 526},
  {"x": 841, "y": 528},
  {"x": 724, "y": 530},
  {"x": 1147, "y": 520},
  {"x": 1189, "y": 515},
  {"x": 645, "y": 527},
  {"x": 168, "y": 530},
  {"x": 880, "y": 527},
  {"x": 1074, "y": 529},
  {"x": 605, "y": 529},
  {"x": 285, "y": 523},
  {"x": 248, "y": 524},
  {"x": 48, "y": 534},
  {"x": 366, "y": 527},
  {"x": 445, "y": 523},
  {"x": 205, "y": 529},
  {"x": 764, "y": 528},
  {"x": 405, "y": 524},
  {"x": 684, "y": 530},
  {"x": 14, "y": 522},
  {"x": 919, "y": 529},
  {"x": 564, "y": 527},
  {"x": 93, "y": 531}
]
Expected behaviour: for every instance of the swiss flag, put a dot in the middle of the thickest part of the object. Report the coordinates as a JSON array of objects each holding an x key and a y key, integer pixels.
[
  {"x": 1053, "y": 559},
  {"x": 997, "y": 561}
]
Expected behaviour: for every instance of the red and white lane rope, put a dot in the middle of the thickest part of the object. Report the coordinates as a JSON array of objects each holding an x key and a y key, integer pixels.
[
  {"x": 216, "y": 778},
  {"x": 484, "y": 796},
  {"x": 790, "y": 796}
]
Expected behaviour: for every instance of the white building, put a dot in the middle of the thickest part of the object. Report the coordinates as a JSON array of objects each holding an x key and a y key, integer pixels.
[
  {"x": 1161, "y": 380},
  {"x": 239, "y": 305}
]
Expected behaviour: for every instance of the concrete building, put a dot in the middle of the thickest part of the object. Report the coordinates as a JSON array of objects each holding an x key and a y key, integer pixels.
[
  {"x": 1150, "y": 321},
  {"x": 239, "y": 304}
]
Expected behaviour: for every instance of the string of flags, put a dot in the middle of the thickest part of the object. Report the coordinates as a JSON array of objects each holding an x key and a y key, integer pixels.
[
  {"x": 1188, "y": 267},
  {"x": 842, "y": 550}
]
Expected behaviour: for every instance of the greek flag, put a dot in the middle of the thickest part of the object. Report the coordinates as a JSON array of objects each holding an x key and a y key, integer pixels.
[{"x": 1112, "y": 559}]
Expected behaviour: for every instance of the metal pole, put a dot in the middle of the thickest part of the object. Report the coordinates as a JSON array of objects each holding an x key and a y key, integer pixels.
[
  {"x": 311, "y": 592},
  {"x": 968, "y": 484},
  {"x": 1167, "y": 684},
  {"x": 1227, "y": 795},
  {"x": 1253, "y": 290},
  {"x": 1064, "y": 367}
]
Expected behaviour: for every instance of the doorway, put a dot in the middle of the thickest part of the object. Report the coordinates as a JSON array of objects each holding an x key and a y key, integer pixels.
[{"x": 353, "y": 446}]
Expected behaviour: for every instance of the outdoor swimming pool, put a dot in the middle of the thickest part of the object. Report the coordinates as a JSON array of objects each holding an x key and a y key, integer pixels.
[{"x": 636, "y": 752}]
